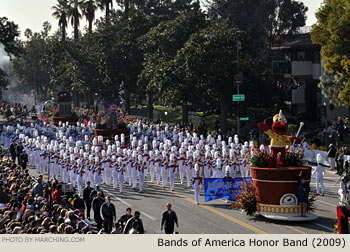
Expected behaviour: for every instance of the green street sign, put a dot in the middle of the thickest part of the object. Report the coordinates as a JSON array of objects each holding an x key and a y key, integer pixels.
[
  {"x": 238, "y": 97},
  {"x": 244, "y": 119}
]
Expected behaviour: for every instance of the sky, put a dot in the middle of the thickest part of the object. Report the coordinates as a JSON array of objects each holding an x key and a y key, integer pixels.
[{"x": 33, "y": 13}]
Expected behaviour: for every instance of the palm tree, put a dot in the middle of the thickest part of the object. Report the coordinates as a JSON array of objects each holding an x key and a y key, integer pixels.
[
  {"x": 61, "y": 13},
  {"x": 104, "y": 5},
  {"x": 88, "y": 8},
  {"x": 75, "y": 15}
]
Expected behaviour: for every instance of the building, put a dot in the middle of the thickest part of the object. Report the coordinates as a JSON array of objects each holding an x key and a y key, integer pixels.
[{"x": 297, "y": 68}]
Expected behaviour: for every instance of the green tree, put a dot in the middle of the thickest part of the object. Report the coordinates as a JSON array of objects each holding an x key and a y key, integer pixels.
[
  {"x": 210, "y": 62},
  {"x": 27, "y": 67},
  {"x": 287, "y": 18},
  {"x": 160, "y": 46},
  {"x": 330, "y": 85},
  {"x": 75, "y": 15},
  {"x": 332, "y": 32},
  {"x": 61, "y": 13},
  {"x": 8, "y": 35},
  {"x": 105, "y": 5},
  {"x": 3, "y": 79},
  {"x": 89, "y": 8},
  {"x": 263, "y": 20}
]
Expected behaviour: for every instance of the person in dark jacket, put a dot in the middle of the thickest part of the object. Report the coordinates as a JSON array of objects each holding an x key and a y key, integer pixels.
[
  {"x": 87, "y": 199},
  {"x": 108, "y": 215},
  {"x": 4, "y": 198},
  {"x": 96, "y": 207},
  {"x": 94, "y": 192},
  {"x": 23, "y": 160},
  {"x": 124, "y": 218},
  {"x": 78, "y": 203},
  {"x": 130, "y": 222},
  {"x": 169, "y": 219},
  {"x": 19, "y": 150},
  {"x": 331, "y": 156},
  {"x": 13, "y": 150}
]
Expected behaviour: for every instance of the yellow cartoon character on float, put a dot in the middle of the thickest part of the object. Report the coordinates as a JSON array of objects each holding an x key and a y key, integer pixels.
[{"x": 279, "y": 140}]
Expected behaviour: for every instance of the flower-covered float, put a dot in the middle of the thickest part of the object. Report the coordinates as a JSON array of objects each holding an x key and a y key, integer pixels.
[
  {"x": 64, "y": 112},
  {"x": 277, "y": 173},
  {"x": 112, "y": 122}
]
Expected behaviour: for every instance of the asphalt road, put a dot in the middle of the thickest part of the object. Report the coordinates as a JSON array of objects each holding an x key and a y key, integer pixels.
[{"x": 217, "y": 217}]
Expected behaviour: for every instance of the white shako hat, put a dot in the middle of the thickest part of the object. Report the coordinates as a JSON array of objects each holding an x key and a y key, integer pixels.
[
  {"x": 103, "y": 153},
  {"x": 97, "y": 159},
  {"x": 236, "y": 139},
  {"x": 91, "y": 157},
  {"x": 139, "y": 158},
  {"x": 227, "y": 168}
]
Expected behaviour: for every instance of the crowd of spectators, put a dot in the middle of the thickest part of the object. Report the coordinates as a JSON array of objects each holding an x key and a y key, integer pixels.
[
  {"x": 28, "y": 205},
  {"x": 340, "y": 127},
  {"x": 9, "y": 111}
]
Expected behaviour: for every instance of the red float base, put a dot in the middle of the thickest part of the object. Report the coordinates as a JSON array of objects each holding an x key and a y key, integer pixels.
[{"x": 276, "y": 191}]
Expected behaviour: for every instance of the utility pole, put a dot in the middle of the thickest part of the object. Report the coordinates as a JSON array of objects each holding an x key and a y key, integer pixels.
[{"x": 239, "y": 47}]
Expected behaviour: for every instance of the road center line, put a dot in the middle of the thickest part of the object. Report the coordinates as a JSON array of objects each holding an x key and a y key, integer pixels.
[
  {"x": 148, "y": 216},
  {"x": 123, "y": 201}
]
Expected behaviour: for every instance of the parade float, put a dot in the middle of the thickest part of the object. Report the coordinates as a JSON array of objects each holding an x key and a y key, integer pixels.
[
  {"x": 64, "y": 112},
  {"x": 111, "y": 122},
  {"x": 276, "y": 175}
]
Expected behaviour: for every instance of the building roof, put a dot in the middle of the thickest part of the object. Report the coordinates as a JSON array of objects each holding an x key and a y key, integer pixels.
[{"x": 297, "y": 41}]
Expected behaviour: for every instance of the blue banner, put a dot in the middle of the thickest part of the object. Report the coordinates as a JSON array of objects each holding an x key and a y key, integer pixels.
[{"x": 229, "y": 188}]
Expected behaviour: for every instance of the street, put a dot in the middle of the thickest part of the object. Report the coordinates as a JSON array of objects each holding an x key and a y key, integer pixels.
[{"x": 217, "y": 217}]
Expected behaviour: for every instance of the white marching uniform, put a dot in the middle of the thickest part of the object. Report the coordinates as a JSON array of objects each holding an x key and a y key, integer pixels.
[{"x": 319, "y": 171}]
